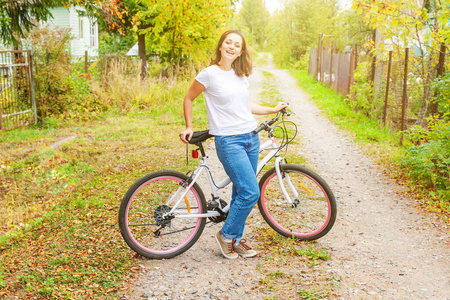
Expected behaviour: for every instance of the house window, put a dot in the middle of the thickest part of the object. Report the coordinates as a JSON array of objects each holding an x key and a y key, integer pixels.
[
  {"x": 93, "y": 34},
  {"x": 80, "y": 28}
]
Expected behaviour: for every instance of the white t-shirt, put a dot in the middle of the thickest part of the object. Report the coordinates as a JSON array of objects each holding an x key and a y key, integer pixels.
[{"x": 227, "y": 101}]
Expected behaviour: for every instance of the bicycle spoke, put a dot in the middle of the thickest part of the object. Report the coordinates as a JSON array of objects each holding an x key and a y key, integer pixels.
[
  {"x": 148, "y": 224},
  {"x": 313, "y": 214}
]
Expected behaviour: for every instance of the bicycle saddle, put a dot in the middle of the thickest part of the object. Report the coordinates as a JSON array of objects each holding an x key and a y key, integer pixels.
[{"x": 199, "y": 137}]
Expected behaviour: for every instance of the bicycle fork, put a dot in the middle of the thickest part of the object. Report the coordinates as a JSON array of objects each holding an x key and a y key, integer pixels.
[{"x": 280, "y": 176}]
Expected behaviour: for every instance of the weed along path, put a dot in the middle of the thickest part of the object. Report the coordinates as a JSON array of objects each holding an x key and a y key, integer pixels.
[{"x": 381, "y": 247}]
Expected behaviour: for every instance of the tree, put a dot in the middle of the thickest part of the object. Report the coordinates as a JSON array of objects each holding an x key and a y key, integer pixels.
[
  {"x": 18, "y": 17},
  {"x": 295, "y": 29},
  {"x": 254, "y": 16},
  {"x": 182, "y": 28},
  {"x": 119, "y": 17},
  {"x": 407, "y": 23}
]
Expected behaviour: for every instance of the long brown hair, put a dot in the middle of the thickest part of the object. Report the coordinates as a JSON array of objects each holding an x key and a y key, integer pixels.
[{"x": 242, "y": 65}]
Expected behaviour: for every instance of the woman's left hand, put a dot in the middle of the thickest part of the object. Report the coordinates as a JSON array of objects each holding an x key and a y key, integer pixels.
[{"x": 280, "y": 106}]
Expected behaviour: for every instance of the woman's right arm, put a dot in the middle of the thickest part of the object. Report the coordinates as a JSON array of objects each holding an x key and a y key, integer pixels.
[{"x": 193, "y": 92}]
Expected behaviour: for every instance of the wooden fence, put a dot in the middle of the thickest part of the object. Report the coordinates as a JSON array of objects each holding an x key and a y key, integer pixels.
[
  {"x": 334, "y": 69},
  {"x": 389, "y": 80}
]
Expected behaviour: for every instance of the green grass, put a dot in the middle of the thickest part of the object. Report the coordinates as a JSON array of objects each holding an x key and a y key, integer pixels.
[
  {"x": 380, "y": 142},
  {"x": 280, "y": 254},
  {"x": 312, "y": 294},
  {"x": 60, "y": 237}
]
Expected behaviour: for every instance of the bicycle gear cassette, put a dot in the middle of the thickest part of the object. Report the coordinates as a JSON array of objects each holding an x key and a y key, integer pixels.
[{"x": 160, "y": 212}]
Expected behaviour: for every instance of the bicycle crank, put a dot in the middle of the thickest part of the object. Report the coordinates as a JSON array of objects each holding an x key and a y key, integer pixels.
[{"x": 214, "y": 205}]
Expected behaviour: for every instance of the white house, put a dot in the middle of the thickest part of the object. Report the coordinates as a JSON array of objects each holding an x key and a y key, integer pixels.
[{"x": 83, "y": 29}]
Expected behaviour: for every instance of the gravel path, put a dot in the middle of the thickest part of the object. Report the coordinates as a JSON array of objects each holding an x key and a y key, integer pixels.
[{"x": 381, "y": 246}]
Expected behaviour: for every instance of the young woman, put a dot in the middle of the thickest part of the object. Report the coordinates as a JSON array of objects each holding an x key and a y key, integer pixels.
[{"x": 225, "y": 86}]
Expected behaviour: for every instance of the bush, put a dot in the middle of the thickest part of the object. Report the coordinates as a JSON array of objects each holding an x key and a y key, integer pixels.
[
  {"x": 428, "y": 161},
  {"x": 441, "y": 86},
  {"x": 62, "y": 90}
]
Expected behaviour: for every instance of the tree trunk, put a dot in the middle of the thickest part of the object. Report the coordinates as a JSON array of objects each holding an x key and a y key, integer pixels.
[
  {"x": 377, "y": 66},
  {"x": 142, "y": 57},
  {"x": 434, "y": 107}
]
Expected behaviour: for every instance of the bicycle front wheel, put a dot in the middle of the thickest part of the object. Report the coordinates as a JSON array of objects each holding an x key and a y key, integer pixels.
[
  {"x": 312, "y": 212},
  {"x": 145, "y": 219}
]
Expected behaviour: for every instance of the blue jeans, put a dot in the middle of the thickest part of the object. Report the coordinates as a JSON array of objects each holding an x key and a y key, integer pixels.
[{"x": 239, "y": 157}]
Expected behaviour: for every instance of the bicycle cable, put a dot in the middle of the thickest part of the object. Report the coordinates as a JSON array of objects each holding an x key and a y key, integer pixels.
[{"x": 285, "y": 140}]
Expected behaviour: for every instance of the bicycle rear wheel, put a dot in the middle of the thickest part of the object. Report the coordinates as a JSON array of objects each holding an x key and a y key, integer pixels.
[
  {"x": 142, "y": 220},
  {"x": 314, "y": 210}
]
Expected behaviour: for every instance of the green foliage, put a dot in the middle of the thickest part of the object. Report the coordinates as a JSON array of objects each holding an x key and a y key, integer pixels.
[
  {"x": 312, "y": 295},
  {"x": 120, "y": 90},
  {"x": 342, "y": 113},
  {"x": 254, "y": 18},
  {"x": 18, "y": 17},
  {"x": 441, "y": 87},
  {"x": 398, "y": 18},
  {"x": 351, "y": 28},
  {"x": 363, "y": 90},
  {"x": 117, "y": 25},
  {"x": 297, "y": 26},
  {"x": 115, "y": 44},
  {"x": 182, "y": 28},
  {"x": 62, "y": 90},
  {"x": 59, "y": 236},
  {"x": 52, "y": 67},
  {"x": 427, "y": 162},
  {"x": 422, "y": 29},
  {"x": 312, "y": 253}
]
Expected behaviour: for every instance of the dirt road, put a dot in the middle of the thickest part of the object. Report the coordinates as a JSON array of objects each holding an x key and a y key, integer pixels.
[{"x": 381, "y": 246}]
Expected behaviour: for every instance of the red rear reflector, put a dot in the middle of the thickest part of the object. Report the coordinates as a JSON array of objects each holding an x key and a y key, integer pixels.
[{"x": 194, "y": 154}]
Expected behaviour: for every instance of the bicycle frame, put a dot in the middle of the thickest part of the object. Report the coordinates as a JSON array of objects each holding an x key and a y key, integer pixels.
[{"x": 270, "y": 144}]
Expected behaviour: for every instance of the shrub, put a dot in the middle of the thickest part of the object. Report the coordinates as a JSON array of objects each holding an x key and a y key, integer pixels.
[
  {"x": 62, "y": 91},
  {"x": 428, "y": 161}
]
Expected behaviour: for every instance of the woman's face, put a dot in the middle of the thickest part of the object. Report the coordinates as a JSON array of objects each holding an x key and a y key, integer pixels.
[{"x": 231, "y": 47}]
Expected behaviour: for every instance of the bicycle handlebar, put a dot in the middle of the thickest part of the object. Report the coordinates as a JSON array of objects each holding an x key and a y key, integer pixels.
[{"x": 265, "y": 125}]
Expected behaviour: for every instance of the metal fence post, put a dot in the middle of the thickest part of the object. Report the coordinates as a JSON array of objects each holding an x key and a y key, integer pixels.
[
  {"x": 319, "y": 58},
  {"x": 17, "y": 92},
  {"x": 387, "y": 88},
  {"x": 33, "y": 94},
  {"x": 1, "y": 117},
  {"x": 85, "y": 61},
  {"x": 351, "y": 71},
  {"x": 405, "y": 94},
  {"x": 331, "y": 66}
]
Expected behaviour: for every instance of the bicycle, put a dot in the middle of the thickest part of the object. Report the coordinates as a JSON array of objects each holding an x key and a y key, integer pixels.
[{"x": 164, "y": 213}]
